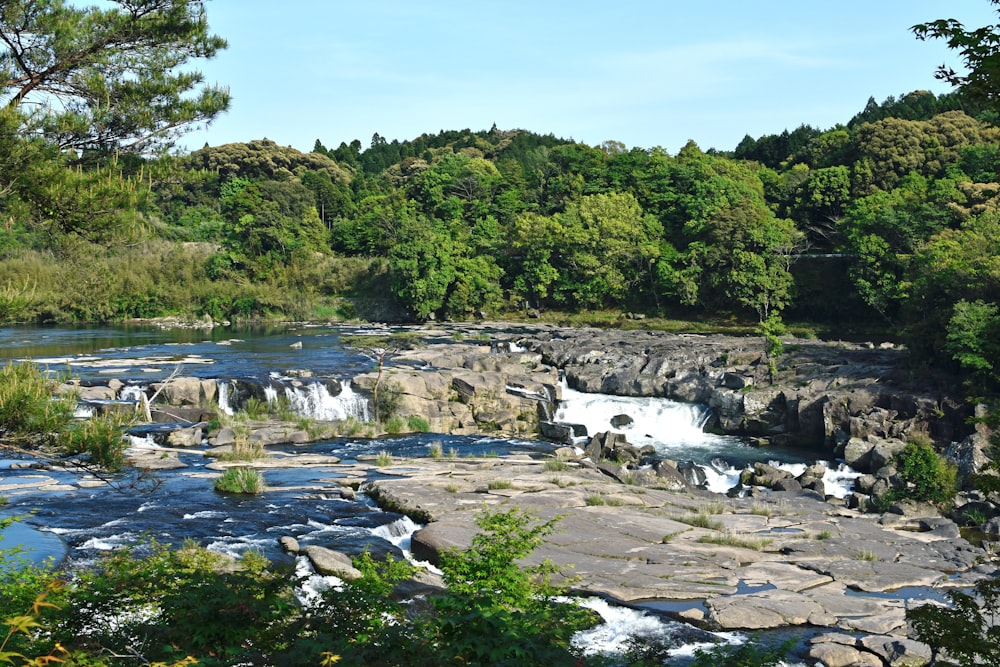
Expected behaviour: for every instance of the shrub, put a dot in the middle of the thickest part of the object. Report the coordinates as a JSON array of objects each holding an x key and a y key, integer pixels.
[
  {"x": 418, "y": 424},
  {"x": 244, "y": 450},
  {"x": 394, "y": 426},
  {"x": 256, "y": 408},
  {"x": 242, "y": 481},
  {"x": 162, "y": 606},
  {"x": 27, "y": 405},
  {"x": 928, "y": 475},
  {"x": 101, "y": 436}
]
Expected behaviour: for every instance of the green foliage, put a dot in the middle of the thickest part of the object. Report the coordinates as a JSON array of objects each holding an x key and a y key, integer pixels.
[
  {"x": 101, "y": 79},
  {"x": 418, "y": 424},
  {"x": 964, "y": 633},
  {"x": 928, "y": 475},
  {"x": 241, "y": 481},
  {"x": 978, "y": 48},
  {"x": 752, "y": 653},
  {"x": 178, "y": 606},
  {"x": 394, "y": 425},
  {"x": 28, "y": 406},
  {"x": 102, "y": 436},
  {"x": 494, "y": 611}
]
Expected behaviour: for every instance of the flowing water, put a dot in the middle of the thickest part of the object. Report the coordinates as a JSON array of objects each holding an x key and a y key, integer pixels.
[{"x": 301, "y": 502}]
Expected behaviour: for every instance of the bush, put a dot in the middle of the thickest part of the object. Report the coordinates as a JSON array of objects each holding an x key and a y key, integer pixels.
[
  {"x": 151, "y": 604},
  {"x": 418, "y": 424},
  {"x": 243, "y": 481},
  {"x": 928, "y": 475},
  {"x": 27, "y": 404},
  {"x": 394, "y": 426},
  {"x": 102, "y": 437}
]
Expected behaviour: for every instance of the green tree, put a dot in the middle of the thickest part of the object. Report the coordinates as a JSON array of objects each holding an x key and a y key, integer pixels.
[
  {"x": 423, "y": 267},
  {"x": 380, "y": 349},
  {"x": 268, "y": 224},
  {"x": 951, "y": 316},
  {"x": 102, "y": 79},
  {"x": 979, "y": 49}
]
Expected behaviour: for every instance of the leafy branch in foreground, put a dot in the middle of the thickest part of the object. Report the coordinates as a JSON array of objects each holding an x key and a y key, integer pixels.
[{"x": 965, "y": 633}]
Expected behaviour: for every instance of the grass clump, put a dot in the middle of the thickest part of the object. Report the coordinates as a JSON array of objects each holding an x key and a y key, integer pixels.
[
  {"x": 866, "y": 555},
  {"x": 102, "y": 437},
  {"x": 383, "y": 459},
  {"x": 240, "y": 481},
  {"x": 418, "y": 424},
  {"x": 731, "y": 539},
  {"x": 500, "y": 484},
  {"x": 27, "y": 402},
  {"x": 394, "y": 426},
  {"x": 556, "y": 465},
  {"x": 595, "y": 500},
  {"x": 700, "y": 520}
]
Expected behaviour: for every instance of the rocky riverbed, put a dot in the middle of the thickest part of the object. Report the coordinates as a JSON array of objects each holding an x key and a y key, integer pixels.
[{"x": 769, "y": 559}]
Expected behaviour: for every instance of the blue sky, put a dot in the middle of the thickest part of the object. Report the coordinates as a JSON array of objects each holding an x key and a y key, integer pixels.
[{"x": 644, "y": 72}]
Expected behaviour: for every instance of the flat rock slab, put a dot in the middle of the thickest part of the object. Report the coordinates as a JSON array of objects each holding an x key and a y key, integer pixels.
[{"x": 802, "y": 560}]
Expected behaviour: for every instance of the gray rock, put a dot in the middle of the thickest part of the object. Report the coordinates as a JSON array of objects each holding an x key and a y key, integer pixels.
[
  {"x": 898, "y": 651},
  {"x": 289, "y": 544},
  {"x": 330, "y": 562},
  {"x": 185, "y": 437}
]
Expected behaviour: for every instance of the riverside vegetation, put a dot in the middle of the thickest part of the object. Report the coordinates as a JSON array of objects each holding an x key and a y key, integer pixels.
[{"x": 888, "y": 222}]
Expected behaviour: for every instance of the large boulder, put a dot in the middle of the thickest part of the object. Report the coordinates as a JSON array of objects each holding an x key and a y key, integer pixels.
[{"x": 187, "y": 391}]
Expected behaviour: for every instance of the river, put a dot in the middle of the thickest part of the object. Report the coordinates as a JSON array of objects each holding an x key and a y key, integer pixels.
[{"x": 177, "y": 505}]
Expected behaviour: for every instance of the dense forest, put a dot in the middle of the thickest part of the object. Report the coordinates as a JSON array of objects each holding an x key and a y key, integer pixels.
[{"x": 887, "y": 222}]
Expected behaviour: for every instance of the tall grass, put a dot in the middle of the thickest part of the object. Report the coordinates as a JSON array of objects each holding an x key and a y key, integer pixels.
[
  {"x": 101, "y": 436},
  {"x": 27, "y": 401},
  {"x": 242, "y": 481},
  {"x": 86, "y": 282}
]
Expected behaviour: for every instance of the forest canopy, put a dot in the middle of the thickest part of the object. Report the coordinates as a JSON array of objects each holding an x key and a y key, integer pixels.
[{"x": 887, "y": 221}]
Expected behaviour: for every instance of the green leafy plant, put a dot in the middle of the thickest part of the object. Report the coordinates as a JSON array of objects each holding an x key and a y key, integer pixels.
[
  {"x": 494, "y": 611},
  {"x": 257, "y": 408},
  {"x": 27, "y": 403},
  {"x": 964, "y": 633},
  {"x": 241, "y": 481},
  {"x": 103, "y": 437},
  {"x": 928, "y": 475},
  {"x": 418, "y": 424},
  {"x": 394, "y": 425}
]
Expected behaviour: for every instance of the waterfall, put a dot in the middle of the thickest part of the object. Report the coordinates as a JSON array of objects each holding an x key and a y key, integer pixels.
[
  {"x": 132, "y": 392},
  {"x": 670, "y": 426},
  {"x": 314, "y": 400},
  {"x": 223, "y": 388}
]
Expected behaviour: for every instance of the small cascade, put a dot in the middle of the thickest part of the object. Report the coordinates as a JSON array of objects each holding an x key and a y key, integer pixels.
[
  {"x": 224, "y": 391},
  {"x": 132, "y": 392},
  {"x": 314, "y": 400},
  {"x": 397, "y": 532}
]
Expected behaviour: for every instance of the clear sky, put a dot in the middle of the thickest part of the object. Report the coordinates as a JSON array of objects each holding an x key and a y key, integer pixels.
[{"x": 644, "y": 72}]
